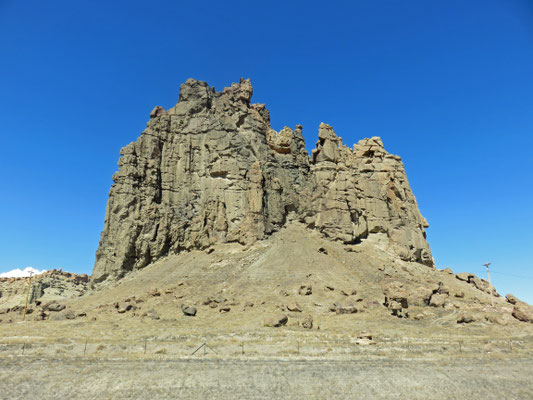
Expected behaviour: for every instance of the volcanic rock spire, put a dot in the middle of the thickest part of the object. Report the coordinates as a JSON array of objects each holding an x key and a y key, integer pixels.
[{"x": 211, "y": 169}]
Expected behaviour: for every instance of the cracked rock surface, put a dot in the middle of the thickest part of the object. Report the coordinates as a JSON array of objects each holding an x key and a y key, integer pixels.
[{"x": 212, "y": 170}]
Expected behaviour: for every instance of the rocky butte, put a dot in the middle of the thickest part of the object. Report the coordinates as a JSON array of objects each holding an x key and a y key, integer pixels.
[
  {"x": 226, "y": 245},
  {"x": 212, "y": 170}
]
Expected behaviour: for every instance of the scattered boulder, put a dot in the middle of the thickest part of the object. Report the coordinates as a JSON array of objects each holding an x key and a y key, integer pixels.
[
  {"x": 487, "y": 287},
  {"x": 349, "y": 292},
  {"x": 224, "y": 309},
  {"x": 465, "y": 318},
  {"x": 18, "y": 308},
  {"x": 395, "y": 292},
  {"x": 394, "y": 306},
  {"x": 420, "y": 297},
  {"x": 189, "y": 311},
  {"x": 523, "y": 312},
  {"x": 294, "y": 307},
  {"x": 397, "y": 310},
  {"x": 447, "y": 271},
  {"x": 438, "y": 300},
  {"x": 307, "y": 322},
  {"x": 276, "y": 320},
  {"x": 476, "y": 282},
  {"x": 154, "y": 293},
  {"x": 305, "y": 290},
  {"x": 122, "y": 308},
  {"x": 348, "y": 309},
  {"x": 463, "y": 276},
  {"x": 40, "y": 316},
  {"x": 55, "y": 307},
  {"x": 338, "y": 308},
  {"x": 510, "y": 298},
  {"x": 480, "y": 284},
  {"x": 213, "y": 302},
  {"x": 219, "y": 299},
  {"x": 396, "y": 299}
]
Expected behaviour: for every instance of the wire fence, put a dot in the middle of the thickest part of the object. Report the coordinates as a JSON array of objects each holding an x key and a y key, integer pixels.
[{"x": 172, "y": 349}]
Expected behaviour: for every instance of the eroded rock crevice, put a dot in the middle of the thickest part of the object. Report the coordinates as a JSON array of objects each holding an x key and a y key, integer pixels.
[{"x": 211, "y": 170}]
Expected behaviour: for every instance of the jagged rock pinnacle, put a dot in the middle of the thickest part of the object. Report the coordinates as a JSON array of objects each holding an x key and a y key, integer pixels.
[{"x": 211, "y": 169}]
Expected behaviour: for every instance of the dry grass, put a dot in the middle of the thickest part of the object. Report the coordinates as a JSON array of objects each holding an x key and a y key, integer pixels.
[
  {"x": 132, "y": 355},
  {"x": 272, "y": 379}
]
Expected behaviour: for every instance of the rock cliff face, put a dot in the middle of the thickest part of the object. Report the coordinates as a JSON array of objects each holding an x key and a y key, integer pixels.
[{"x": 211, "y": 170}]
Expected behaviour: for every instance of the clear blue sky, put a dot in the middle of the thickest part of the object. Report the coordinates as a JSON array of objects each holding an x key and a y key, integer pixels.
[{"x": 447, "y": 84}]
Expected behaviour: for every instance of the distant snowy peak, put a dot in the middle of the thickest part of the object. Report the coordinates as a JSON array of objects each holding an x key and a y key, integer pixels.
[{"x": 19, "y": 273}]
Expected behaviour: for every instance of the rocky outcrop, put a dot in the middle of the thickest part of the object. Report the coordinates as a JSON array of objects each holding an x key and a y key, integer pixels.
[
  {"x": 521, "y": 310},
  {"x": 364, "y": 190},
  {"x": 480, "y": 284},
  {"x": 211, "y": 169},
  {"x": 50, "y": 285}
]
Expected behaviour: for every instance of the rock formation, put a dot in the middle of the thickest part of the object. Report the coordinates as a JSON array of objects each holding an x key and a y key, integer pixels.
[
  {"x": 211, "y": 169},
  {"x": 48, "y": 286}
]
